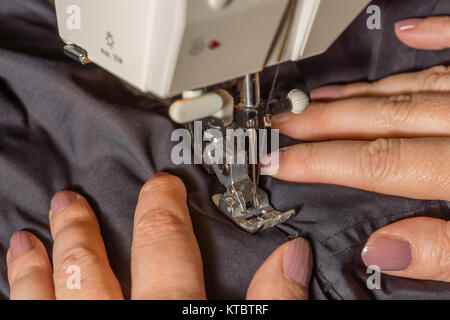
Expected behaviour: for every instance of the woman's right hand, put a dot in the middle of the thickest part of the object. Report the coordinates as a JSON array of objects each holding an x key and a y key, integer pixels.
[{"x": 391, "y": 137}]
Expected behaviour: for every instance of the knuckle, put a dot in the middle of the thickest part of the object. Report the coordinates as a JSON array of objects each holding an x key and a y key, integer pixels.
[
  {"x": 28, "y": 270},
  {"x": 434, "y": 169},
  {"x": 440, "y": 68},
  {"x": 379, "y": 159},
  {"x": 395, "y": 111},
  {"x": 159, "y": 225},
  {"x": 437, "y": 78},
  {"x": 80, "y": 254},
  {"x": 441, "y": 186},
  {"x": 76, "y": 214}
]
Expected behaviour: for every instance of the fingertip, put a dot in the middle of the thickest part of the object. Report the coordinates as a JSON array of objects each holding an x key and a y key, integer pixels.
[
  {"x": 415, "y": 248},
  {"x": 163, "y": 232},
  {"x": 387, "y": 252},
  {"x": 298, "y": 262},
  {"x": 432, "y": 33},
  {"x": 29, "y": 269},
  {"x": 285, "y": 274},
  {"x": 270, "y": 164},
  {"x": 23, "y": 242},
  {"x": 406, "y": 31},
  {"x": 165, "y": 183},
  {"x": 24, "y": 247},
  {"x": 20, "y": 243},
  {"x": 407, "y": 24},
  {"x": 62, "y": 199}
]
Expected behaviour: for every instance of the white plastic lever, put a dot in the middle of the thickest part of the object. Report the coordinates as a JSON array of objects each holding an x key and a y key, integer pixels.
[{"x": 195, "y": 107}]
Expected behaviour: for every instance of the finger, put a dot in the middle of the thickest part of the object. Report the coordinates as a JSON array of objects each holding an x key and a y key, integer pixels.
[
  {"x": 427, "y": 34},
  {"x": 81, "y": 267},
  {"x": 416, "y": 248},
  {"x": 436, "y": 79},
  {"x": 414, "y": 168},
  {"x": 285, "y": 275},
  {"x": 29, "y": 269},
  {"x": 404, "y": 116},
  {"x": 166, "y": 261}
]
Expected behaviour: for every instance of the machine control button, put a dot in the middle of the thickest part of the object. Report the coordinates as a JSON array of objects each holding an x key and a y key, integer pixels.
[{"x": 299, "y": 101}]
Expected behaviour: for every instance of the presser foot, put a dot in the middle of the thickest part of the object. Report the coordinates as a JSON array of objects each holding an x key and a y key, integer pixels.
[{"x": 251, "y": 211}]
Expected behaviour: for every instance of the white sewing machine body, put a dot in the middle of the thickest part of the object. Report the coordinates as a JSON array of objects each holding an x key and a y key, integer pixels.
[{"x": 168, "y": 46}]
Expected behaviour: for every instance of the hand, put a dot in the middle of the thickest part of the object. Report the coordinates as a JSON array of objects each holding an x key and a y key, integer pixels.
[
  {"x": 394, "y": 138},
  {"x": 165, "y": 259}
]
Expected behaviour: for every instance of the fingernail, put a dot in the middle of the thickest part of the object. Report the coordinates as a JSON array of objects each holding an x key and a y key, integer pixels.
[
  {"x": 270, "y": 164},
  {"x": 20, "y": 243},
  {"x": 281, "y": 118},
  {"x": 328, "y": 92},
  {"x": 388, "y": 254},
  {"x": 298, "y": 262},
  {"x": 407, "y": 24},
  {"x": 61, "y": 200}
]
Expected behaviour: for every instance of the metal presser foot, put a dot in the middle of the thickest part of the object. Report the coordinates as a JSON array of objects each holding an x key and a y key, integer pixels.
[
  {"x": 248, "y": 206},
  {"x": 243, "y": 201}
]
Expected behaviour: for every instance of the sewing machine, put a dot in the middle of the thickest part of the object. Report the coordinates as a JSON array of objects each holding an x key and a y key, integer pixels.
[{"x": 207, "y": 54}]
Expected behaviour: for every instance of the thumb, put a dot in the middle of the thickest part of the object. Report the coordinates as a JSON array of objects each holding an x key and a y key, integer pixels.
[
  {"x": 285, "y": 274},
  {"x": 417, "y": 248},
  {"x": 428, "y": 34}
]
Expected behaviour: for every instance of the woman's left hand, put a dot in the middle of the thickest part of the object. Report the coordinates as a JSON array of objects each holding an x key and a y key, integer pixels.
[{"x": 165, "y": 257}]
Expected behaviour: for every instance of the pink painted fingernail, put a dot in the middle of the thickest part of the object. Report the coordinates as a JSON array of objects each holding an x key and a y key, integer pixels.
[
  {"x": 20, "y": 243},
  {"x": 298, "y": 262},
  {"x": 326, "y": 93},
  {"x": 281, "y": 118},
  {"x": 61, "y": 200},
  {"x": 270, "y": 164},
  {"x": 388, "y": 254},
  {"x": 407, "y": 24}
]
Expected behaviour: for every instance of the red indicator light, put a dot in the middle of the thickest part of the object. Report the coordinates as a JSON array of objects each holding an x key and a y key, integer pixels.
[{"x": 214, "y": 44}]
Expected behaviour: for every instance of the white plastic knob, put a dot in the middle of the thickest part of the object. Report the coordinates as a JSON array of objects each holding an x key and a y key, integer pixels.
[{"x": 299, "y": 101}]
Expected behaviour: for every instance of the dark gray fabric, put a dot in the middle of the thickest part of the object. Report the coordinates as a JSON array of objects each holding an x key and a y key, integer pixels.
[{"x": 67, "y": 126}]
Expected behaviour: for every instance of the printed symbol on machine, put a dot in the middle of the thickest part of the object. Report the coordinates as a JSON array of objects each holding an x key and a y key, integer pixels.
[
  {"x": 110, "y": 42},
  {"x": 110, "y": 45}
]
